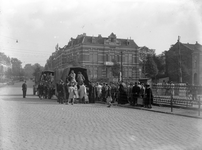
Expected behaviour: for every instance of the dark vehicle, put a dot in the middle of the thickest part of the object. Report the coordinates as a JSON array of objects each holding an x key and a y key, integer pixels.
[
  {"x": 63, "y": 74},
  {"x": 47, "y": 79}
]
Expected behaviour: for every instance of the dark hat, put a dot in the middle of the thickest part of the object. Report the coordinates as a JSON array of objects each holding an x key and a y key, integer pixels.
[{"x": 147, "y": 85}]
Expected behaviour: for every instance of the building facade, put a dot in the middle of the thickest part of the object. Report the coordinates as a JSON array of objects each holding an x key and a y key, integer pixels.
[
  {"x": 184, "y": 63},
  {"x": 98, "y": 54}
]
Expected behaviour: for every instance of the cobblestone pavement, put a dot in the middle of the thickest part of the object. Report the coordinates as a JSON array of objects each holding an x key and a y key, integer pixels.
[{"x": 33, "y": 124}]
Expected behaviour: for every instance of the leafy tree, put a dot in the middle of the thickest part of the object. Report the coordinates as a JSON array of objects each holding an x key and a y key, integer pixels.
[
  {"x": 37, "y": 69},
  {"x": 151, "y": 67},
  {"x": 160, "y": 62},
  {"x": 9, "y": 73},
  {"x": 28, "y": 70},
  {"x": 16, "y": 66}
]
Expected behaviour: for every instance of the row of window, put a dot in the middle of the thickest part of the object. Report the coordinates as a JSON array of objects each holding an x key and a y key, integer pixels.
[
  {"x": 96, "y": 72},
  {"x": 93, "y": 57}
]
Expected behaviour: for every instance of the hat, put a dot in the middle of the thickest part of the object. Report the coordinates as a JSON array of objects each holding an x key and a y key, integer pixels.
[{"x": 147, "y": 85}]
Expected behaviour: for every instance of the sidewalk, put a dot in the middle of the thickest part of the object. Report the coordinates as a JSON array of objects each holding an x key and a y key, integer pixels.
[{"x": 166, "y": 110}]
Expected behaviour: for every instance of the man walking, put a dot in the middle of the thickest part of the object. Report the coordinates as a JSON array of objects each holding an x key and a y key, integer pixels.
[{"x": 24, "y": 89}]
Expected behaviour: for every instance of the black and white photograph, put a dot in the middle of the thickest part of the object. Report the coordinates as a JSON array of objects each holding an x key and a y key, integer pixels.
[{"x": 100, "y": 75}]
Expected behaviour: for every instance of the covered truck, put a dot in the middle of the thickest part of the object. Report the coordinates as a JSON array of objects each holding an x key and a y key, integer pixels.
[{"x": 46, "y": 78}]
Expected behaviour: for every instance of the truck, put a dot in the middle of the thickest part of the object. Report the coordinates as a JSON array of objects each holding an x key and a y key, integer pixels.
[
  {"x": 59, "y": 74},
  {"x": 62, "y": 74},
  {"x": 39, "y": 78}
]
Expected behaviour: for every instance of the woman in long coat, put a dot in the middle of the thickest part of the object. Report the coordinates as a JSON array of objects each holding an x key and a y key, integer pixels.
[{"x": 122, "y": 95}]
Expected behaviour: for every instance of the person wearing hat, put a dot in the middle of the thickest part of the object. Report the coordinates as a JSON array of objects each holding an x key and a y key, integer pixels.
[
  {"x": 60, "y": 92},
  {"x": 136, "y": 93},
  {"x": 80, "y": 78},
  {"x": 148, "y": 97},
  {"x": 24, "y": 89},
  {"x": 72, "y": 76}
]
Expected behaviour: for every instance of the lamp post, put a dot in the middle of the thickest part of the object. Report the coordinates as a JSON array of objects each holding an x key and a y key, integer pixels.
[
  {"x": 121, "y": 66},
  {"x": 180, "y": 62}
]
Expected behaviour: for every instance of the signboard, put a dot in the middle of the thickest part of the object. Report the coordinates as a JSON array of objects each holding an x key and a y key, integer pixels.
[{"x": 109, "y": 63}]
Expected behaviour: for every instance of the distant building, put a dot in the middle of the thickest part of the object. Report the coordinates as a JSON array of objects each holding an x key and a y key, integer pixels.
[
  {"x": 98, "y": 54},
  {"x": 184, "y": 62}
]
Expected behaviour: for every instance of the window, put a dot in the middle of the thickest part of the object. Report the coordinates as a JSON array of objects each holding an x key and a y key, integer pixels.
[
  {"x": 100, "y": 58},
  {"x": 130, "y": 72},
  {"x": 95, "y": 59},
  {"x": 130, "y": 58},
  {"x": 85, "y": 57},
  {"x": 106, "y": 57}
]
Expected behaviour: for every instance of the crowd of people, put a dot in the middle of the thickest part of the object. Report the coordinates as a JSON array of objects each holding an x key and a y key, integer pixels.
[
  {"x": 73, "y": 89},
  {"x": 120, "y": 93},
  {"x": 124, "y": 93}
]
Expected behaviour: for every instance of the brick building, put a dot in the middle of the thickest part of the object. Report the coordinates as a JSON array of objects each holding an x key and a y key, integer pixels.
[
  {"x": 98, "y": 54},
  {"x": 185, "y": 61}
]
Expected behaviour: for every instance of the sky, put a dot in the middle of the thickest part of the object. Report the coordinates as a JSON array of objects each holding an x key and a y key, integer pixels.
[{"x": 30, "y": 29}]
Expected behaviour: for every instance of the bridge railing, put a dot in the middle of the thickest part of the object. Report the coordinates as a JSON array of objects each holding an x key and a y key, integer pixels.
[{"x": 182, "y": 95}]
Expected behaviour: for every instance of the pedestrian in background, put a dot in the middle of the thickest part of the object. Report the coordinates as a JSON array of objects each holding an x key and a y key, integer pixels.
[
  {"x": 130, "y": 93},
  {"x": 108, "y": 95},
  {"x": 148, "y": 97},
  {"x": 122, "y": 97},
  {"x": 136, "y": 93},
  {"x": 71, "y": 93},
  {"x": 82, "y": 92},
  {"x": 24, "y": 89},
  {"x": 40, "y": 90},
  {"x": 60, "y": 92}
]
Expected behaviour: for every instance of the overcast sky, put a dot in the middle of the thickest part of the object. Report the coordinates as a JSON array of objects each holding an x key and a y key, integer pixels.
[{"x": 30, "y": 29}]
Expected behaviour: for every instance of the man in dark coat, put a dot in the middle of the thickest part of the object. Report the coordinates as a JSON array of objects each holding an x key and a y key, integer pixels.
[
  {"x": 24, "y": 89},
  {"x": 40, "y": 90},
  {"x": 148, "y": 97},
  {"x": 60, "y": 92},
  {"x": 135, "y": 93}
]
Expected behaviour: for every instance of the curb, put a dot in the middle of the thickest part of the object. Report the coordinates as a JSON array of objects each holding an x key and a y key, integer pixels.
[{"x": 157, "y": 111}]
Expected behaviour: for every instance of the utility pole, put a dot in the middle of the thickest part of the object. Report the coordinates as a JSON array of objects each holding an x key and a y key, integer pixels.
[
  {"x": 121, "y": 66},
  {"x": 180, "y": 61}
]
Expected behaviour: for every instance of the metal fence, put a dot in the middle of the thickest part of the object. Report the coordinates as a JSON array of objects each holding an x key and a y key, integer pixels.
[{"x": 178, "y": 95}]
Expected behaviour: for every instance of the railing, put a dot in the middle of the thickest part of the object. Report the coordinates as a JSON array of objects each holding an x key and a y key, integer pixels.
[{"x": 180, "y": 95}]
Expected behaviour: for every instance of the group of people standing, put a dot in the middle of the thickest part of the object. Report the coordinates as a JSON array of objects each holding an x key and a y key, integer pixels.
[
  {"x": 142, "y": 92},
  {"x": 72, "y": 90},
  {"x": 123, "y": 94}
]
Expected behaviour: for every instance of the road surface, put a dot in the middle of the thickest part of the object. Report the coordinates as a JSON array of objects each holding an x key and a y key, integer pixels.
[{"x": 34, "y": 124}]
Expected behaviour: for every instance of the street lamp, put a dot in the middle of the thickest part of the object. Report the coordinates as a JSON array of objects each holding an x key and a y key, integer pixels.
[{"x": 121, "y": 74}]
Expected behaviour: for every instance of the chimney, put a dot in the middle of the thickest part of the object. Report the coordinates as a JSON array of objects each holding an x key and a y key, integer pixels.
[
  {"x": 196, "y": 42},
  {"x": 178, "y": 40}
]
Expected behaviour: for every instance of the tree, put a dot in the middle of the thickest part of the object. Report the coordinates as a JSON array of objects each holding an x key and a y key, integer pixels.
[
  {"x": 29, "y": 70},
  {"x": 9, "y": 73},
  {"x": 16, "y": 66},
  {"x": 160, "y": 62},
  {"x": 116, "y": 69},
  {"x": 151, "y": 67},
  {"x": 37, "y": 69}
]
